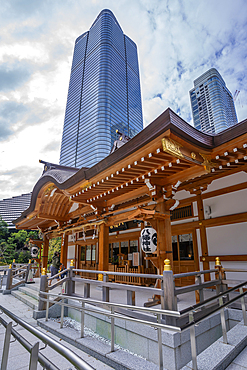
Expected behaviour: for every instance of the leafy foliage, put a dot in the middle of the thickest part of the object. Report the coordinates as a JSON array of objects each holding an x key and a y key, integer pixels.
[
  {"x": 14, "y": 244},
  {"x": 54, "y": 246}
]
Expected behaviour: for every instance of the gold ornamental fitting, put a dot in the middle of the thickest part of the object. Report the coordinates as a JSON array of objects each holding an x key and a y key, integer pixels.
[
  {"x": 100, "y": 277},
  {"x": 13, "y": 260},
  {"x": 217, "y": 261},
  {"x": 43, "y": 272},
  {"x": 30, "y": 261},
  {"x": 203, "y": 258},
  {"x": 72, "y": 263},
  {"x": 167, "y": 265},
  {"x": 10, "y": 266}
]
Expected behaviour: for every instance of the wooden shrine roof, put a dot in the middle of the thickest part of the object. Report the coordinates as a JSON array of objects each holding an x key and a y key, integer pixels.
[{"x": 169, "y": 153}]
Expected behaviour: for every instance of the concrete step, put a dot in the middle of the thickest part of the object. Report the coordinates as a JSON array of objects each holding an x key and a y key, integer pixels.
[
  {"x": 34, "y": 286},
  {"x": 101, "y": 350},
  {"x": 219, "y": 355},
  {"x": 29, "y": 301},
  {"x": 29, "y": 291}
]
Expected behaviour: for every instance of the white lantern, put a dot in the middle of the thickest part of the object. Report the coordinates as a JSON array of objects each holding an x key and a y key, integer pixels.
[
  {"x": 149, "y": 240},
  {"x": 34, "y": 251}
]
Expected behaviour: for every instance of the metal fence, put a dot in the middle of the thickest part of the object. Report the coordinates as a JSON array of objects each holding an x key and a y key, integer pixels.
[
  {"x": 111, "y": 311},
  {"x": 34, "y": 350}
]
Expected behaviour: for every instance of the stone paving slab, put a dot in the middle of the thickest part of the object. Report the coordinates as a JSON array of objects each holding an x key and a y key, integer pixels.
[{"x": 28, "y": 300}]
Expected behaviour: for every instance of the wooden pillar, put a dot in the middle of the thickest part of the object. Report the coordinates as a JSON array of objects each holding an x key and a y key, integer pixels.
[
  {"x": 103, "y": 247},
  {"x": 77, "y": 256},
  {"x": 64, "y": 250},
  {"x": 45, "y": 252},
  {"x": 203, "y": 234},
  {"x": 164, "y": 236}
]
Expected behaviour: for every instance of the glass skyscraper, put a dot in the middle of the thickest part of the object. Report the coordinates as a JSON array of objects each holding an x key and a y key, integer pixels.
[
  {"x": 104, "y": 93},
  {"x": 212, "y": 103}
]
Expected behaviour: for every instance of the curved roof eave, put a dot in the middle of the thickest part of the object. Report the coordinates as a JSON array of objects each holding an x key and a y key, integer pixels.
[{"x": 168, "y": 120}]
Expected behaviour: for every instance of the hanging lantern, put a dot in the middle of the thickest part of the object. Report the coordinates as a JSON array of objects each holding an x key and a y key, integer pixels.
[
  {"x": 149, "y": 240},
  {"x": 34, "y": 251}
]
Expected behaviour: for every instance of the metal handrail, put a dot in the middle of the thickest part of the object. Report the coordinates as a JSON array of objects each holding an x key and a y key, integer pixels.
[
  {"x": 208, "y": 300},
  {"x": 158, "y": 312},
  {"x": 150, "y": 276},
  {"x": 117, "y": 285},
  {"x": 47, "y": 364},
  {"x": 154, "y": 311},
  {"x": 214, "y": 310},
  {"x": 195, "y": 273},
  {"x": 113, "y": 315},
  {"x": 72, "y": 357},
  {"x": 19, "y": 273},
  {"x": 58, "y": 274}
]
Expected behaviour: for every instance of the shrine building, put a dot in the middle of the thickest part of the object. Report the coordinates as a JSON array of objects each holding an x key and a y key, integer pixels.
[{"x": 189, "y": 186}]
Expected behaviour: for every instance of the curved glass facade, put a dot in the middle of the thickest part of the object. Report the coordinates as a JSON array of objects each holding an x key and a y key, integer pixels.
[
  {"x": 104, "y": 93},
  {"x": 212, "y": 103}
]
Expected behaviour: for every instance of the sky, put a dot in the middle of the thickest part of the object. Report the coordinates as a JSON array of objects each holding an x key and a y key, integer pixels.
[{"x": 177, "y": 41}]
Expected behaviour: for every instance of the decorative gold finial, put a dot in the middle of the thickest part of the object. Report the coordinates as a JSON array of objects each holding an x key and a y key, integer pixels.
[
  {"x": 100, "y": 277},
  {"x": 217, "y": 261},
  {"x": 13, "y": 260},
  {"x": 167, "y": 265},
  {"x": 10, "y": 266},
  {"x": 43, "y": 272},
  {"x": 72, "y": 263}
]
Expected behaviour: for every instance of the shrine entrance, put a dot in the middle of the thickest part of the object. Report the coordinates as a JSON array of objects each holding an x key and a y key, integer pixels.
[{"x": 185, "y": 256}]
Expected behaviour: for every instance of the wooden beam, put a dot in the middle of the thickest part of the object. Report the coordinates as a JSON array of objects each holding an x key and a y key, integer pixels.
[
  {"x": 203, "y": 234},
  {"x": 230, "y": 258},
  {"x": 185, "y": 175},
  {"x": 226, "y": 190},
  {"x": 51, "y": 217},
  {"x": 103, "y": 247},
  {"x": 45, "y": 252},
  {"x": 121, "y": 217},
  {"x": 211, "y": 222},
  {"x": 127, "y": 196},
  {"x": 64, "y": 249}
]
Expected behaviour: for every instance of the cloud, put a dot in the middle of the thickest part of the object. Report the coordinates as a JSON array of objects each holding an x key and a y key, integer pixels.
[
  {"x": 27, "y": 177},
  {"x": 15, "y": 116},
  {"x": 52, "y": 146},
  {"x": 14, "y": 75},
  {"x": 177, "y": 41}
]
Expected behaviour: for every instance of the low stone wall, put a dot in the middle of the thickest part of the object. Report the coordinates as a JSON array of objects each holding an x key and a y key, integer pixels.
[{"x": 143, "y": 340}]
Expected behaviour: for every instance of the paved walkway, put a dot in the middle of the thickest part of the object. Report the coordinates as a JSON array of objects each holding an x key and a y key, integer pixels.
[{"x": 19, "y": 357}]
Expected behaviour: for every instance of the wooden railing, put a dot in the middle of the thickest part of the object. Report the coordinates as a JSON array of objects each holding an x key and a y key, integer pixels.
[{"x": 122, "y": 278}]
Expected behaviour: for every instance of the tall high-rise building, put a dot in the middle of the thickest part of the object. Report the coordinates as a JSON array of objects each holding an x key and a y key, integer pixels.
[
  {"x": 104, "y": 93},
  {"x": 212, "y": 103}
]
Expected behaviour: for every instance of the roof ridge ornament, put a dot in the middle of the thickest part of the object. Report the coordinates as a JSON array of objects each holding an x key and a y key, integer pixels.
[{"x": 207, "y": 163}]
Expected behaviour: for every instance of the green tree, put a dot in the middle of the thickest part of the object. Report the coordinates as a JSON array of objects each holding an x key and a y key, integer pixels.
[
  {"x": 4, "y": 233},
  {"x": 54, "y": 246},
  {"x": 13, "y": 244},
  {"x": 19, "y": 239}
]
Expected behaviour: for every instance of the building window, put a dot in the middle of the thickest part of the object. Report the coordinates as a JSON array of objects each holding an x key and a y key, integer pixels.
[
  {"x": 182, "y": 212},
  {"x": 182, "y": 246},
  {"x": 88, "y": 253}
]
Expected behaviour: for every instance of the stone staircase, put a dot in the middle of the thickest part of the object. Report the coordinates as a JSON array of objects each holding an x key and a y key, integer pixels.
[{"x": 28, "y": 294}]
